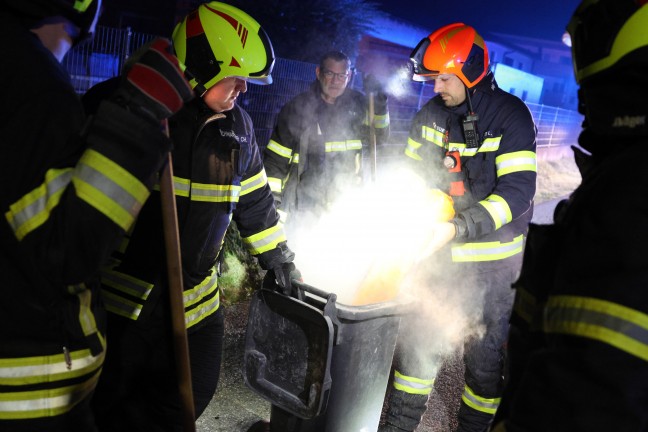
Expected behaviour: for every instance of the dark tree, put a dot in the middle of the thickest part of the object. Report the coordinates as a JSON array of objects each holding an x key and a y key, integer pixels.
[{"x": 304, "y": 30}]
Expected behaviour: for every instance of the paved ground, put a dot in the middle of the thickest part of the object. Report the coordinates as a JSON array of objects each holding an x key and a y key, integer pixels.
[{"x": 235, "y": 408}]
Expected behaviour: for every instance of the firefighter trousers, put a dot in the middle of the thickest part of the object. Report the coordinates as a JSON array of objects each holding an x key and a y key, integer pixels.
[{"x": 481, "y": 302}]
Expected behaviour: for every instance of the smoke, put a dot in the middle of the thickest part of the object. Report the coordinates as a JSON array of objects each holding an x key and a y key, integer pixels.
[{"x": 378, "y": 234}]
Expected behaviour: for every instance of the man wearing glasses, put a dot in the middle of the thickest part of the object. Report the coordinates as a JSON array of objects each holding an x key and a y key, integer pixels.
[{"x": 315, "y": 151}]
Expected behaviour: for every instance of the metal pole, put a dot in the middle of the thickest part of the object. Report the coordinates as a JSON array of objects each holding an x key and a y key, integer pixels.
[{"x": 174, "y": 271}]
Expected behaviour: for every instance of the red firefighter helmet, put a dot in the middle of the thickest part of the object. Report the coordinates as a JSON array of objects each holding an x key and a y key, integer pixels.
[{"x": 454, "y": 49}]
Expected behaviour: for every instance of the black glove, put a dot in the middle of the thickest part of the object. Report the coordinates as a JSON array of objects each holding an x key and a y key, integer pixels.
[
  {"x": 281, "y": 276},
  {"x": 372, "y": 85},
  {"x": 153, "y": 84},
  {"x": 279, "y": 263}
]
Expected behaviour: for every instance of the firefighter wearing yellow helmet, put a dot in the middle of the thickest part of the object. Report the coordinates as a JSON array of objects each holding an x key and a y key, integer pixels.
[
  {"x": 219, "y": 178},
  {"x": 72, "y": 187},
  {"x": 578, "y": 340},
  {"x": 475, "y": 142},
  {"x": 218, "y": 41}
]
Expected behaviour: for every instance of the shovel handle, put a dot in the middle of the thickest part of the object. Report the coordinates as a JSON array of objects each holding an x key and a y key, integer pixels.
[{"x": 174, "y": 271}]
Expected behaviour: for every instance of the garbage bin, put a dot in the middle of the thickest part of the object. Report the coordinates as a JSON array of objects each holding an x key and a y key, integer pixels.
[{"x": 323, "y": 366}]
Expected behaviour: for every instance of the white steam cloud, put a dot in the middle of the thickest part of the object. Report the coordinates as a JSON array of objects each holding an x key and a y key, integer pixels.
[{"x": 381, "y": 226}]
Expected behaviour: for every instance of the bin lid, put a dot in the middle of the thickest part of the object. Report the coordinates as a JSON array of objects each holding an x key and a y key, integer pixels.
[{"x": 288, "y": 348}]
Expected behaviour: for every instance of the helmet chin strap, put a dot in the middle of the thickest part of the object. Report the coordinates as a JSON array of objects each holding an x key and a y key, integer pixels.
[{"x": 469, "y": 100}]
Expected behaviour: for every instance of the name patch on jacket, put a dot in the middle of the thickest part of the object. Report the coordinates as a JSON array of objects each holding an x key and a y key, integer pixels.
[{"x": 243, "y": 139}]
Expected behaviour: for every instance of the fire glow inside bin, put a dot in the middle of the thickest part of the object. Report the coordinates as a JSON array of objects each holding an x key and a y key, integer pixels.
[{"x": 323, "y": 366}]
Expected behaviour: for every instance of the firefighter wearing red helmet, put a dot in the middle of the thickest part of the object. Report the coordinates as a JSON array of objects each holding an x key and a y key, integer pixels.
[
  {"x": 477, "y": 143},
  {"x": 71, "y": 188},
  {"x": 579, "y": 328},
  {"x": 219, "y": 178}
]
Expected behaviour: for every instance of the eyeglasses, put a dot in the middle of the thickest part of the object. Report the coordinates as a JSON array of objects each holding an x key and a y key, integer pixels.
[{"x": 330, "y": 74}]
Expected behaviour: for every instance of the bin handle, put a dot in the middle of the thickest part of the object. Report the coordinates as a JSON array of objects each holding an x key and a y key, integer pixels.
[{"x": 328, "y": 296}]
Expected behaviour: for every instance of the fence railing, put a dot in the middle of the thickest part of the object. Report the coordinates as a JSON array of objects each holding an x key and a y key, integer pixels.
[{"x": 105, "y": 56}]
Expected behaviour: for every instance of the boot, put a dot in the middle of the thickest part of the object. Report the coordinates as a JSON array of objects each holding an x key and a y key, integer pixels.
[{"x": 404, "y": 411}]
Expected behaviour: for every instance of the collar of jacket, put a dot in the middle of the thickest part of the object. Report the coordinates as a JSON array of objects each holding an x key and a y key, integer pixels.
[{"x": 486, "y": 85}]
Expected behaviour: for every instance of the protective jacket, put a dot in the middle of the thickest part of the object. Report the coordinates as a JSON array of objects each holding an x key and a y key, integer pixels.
[
  {"x": 499, "y": 175},
  {"x": 69, "y": 193},
  {"x": 218, "y": 177},
  {"x": 578, "y": 343},
  {"x": 315, "y": 151}
]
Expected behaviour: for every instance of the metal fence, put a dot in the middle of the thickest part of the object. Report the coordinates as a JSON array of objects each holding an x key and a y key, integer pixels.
[{"x": 110, "y": 48}]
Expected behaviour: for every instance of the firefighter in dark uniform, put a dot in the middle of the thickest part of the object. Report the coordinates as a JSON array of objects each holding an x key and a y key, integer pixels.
[
  {"x": 579, "y": 328},
  {"x": 315, "y": 151},
  {"x": 70, "y": 189},
  {"x": 477, "y": 143},
  {"x": 218, "y": 177}
]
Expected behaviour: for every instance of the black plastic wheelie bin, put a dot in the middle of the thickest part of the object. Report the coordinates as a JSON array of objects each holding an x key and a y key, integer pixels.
[{"x": 323, "y": 366}]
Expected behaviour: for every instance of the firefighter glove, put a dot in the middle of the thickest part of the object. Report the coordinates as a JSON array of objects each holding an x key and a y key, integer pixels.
[
  {"x": 153, "y": 84},
  {"x": 371, "y": 84},
  {"x": 281, "y": 276}
]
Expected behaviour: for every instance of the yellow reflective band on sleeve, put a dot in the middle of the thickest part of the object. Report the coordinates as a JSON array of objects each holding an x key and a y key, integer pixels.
[
  {"x": 255, "y": 182},
  {"x": 275, "y": 184},
  {"x": 381, "y": 121},
  {"x": 109, "y": 188},
  {"x": 412, "y": 385},
  {"x": 265, "y": 240},
  {"x": 277, "y": 148},
  {"x": 203, "y": 289},
  {"x": 205, "y": 309},
  {"x": 33, "y": 209},
  {"x": 214, "y": 193},
  {"x": 487, "y": 251},
  {"x": 516, "y": 162},
  {"x": 485, "y": 405},
  {"x": 121, "y": 306},
  {"x": 202, "y": 300},
  {"x": 82, "y": 5},
  {"x": 498, "y": 209},
  {"x": 619, "y": 326},
  {"x": 432, "y": 135},
  {"x": 127, "y": 284},
  {"x": 412, "y": 149},
  {"x": 295, "y": 158}
]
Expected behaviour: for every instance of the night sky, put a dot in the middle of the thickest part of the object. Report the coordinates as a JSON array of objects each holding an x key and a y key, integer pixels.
[{"x": 545, "y": 19}]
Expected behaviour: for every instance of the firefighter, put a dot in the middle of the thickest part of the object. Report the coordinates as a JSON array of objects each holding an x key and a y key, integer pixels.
[
  {"x": 578, "y": 341},
  {"x": 70, "y": 189},
  {"x": 477, "y": 143},
  {"x": 219, "y": 177},
  {"x": 315, "y": 151}
]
